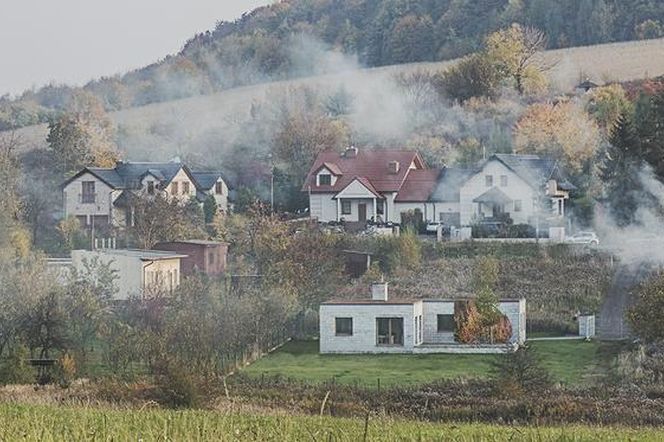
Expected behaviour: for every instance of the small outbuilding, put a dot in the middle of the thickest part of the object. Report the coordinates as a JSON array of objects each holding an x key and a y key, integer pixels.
[{"x": 203, "y": 256}]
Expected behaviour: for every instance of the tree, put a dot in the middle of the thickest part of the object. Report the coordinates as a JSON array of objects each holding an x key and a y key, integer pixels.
[
  {"x": 473, "y": 76},
  {"x": 520, "y": 372},
  {"x": 562, "y": 130},
  {"x": 645, "y": 316},
  {"x": 82, "y": 136},
  {"x": 516, "y": 51},
  {"x": 209, "y": 209},
  {"x": 607, "y": 103},
  {"x": 620, "y": 171},
  {"x": 160, "y": 218}
]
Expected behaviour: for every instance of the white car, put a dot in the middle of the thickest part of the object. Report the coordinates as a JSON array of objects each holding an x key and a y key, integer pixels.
[
  {"x": 432, "y": 227},
  {"x": 589, "y": 238}
]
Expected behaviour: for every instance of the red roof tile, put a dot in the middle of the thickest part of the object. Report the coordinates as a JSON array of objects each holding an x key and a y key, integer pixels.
[
  {"x": 418, "y": 186},
  {"x": 370, "y": 164}
]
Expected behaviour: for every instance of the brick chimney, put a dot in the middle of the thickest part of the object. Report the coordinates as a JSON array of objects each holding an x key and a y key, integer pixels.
[
  {"x": 350, "y": 152},
  {"x": 393, "y": 167},
  {"x": 379, "y": 291}
]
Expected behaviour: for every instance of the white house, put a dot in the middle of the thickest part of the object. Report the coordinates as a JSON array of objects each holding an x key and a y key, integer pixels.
[
  {"x": 359, "y": 185},
  {"x": 524, "y": 188},
  {"x": 381, "y": 325},
  {"x": 140, "y": 272},
  {"x": 100, "y": 197}
]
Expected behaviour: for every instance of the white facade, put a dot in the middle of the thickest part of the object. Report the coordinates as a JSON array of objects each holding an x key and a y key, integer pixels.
[
  {"x": 139, "y": 272},
  {"x": 420, "y": 321},
  {"x": 89, "y": 206}
]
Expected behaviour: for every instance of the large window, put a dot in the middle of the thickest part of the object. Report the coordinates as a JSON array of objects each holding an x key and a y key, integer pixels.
[
  {"x": 345, "y": 208},
  {"x": 324, "y": 180},
  {"x": 488, "y": 180},
  {"x": 343, "y": 326},
  {"x": 174, "y": 188},
  {"x": 218, "y": 189},
  {"x": 88, "y": 195},
  {"x": 446, "y": 323},
  {"x": 380, "y": 207},
  {"x": 185, "y": 188},
  {"x": 151, "y": 187},
  {"x": 389, "y": 331}
]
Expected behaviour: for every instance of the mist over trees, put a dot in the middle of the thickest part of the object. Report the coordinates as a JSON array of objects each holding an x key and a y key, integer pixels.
[{"x": 270, "y": 44}]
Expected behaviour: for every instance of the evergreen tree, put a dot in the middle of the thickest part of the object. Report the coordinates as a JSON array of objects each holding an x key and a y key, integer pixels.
[{"x": 620, "y": 171}]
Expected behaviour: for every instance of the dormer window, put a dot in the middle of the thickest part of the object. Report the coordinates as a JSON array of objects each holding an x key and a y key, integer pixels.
[
  {"x": 324, "y": 180},
  {"x": 218, "y": 189},
  {"x": 151, "y": 187}
]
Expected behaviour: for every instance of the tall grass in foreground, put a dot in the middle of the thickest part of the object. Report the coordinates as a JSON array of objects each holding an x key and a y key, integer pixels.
[{"x": 45, "y": 423}]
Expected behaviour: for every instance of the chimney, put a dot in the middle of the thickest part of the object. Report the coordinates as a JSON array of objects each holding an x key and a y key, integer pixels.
[
  {"x": 393, "y": 167},
  {"x": 379, "y": 291},
  {"x": 350, "y": 152}
]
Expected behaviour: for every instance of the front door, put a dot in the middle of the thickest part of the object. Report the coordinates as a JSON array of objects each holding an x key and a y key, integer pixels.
[{"x": 361, "y": 212}]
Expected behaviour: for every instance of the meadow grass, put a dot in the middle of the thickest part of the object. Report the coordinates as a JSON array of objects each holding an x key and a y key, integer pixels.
[
  {"x": 52, "y": 423},
  {"x": 569, "y": 362}
]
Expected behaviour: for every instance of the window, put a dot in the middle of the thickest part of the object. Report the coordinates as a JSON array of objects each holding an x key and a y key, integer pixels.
[
  {"x": 503, "y": 181},
  {"x": 345, "y": 208},
  {"x": 218, "y": 188},
  {"x": 174, "y": 188},
  {"x": 446, "y": 323},
  {"x": 488, "y": 180},
  {"x": 88, "y": 192},
  {"x": 517, "y": 205},
  {"x": 324, "y": 180},
  {"x": 343, "y": 326},
  {"x": 185, "y": 188},
  {"x": 380, "y": 207},
  {"x": 151, "y": 187},
  {"x": 389, "y": 331}
]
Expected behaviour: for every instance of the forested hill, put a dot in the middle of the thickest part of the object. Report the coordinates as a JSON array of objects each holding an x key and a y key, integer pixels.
[{"x": 284, "y": 40}]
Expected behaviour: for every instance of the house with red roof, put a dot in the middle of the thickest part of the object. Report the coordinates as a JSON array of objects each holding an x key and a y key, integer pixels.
[{"x": 361, "y": 185}]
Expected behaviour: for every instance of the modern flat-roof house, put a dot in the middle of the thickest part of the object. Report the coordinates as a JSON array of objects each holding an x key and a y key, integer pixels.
[
  {"x": 101, "y": 196},
  {"x": 140, "y": 272},
  {"x": 360, "y": 185},
  {"x": 208, "y": 257},
  {"x": 381, "y": 325}
]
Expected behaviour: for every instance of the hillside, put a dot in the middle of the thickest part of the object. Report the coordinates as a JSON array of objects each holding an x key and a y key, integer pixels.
[
  {"x": 162, "y": 130},
  {"x": 283, "y": 40}
]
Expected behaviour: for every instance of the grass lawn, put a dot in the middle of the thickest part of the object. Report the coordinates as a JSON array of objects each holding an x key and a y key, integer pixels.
[
  {"x": 50, "y": 423},
  {"x": 568, "y": 362}
]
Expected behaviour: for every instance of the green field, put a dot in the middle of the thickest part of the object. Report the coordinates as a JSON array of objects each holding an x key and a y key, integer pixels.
[
  {"x": 568, "y": 361},
  {"x": 50, "y": 423}
]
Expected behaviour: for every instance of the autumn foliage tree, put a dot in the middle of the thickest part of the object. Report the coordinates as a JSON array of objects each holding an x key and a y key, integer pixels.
[
  {"x": 645, "y": 316},
  {"x": 561, "y": 130}
]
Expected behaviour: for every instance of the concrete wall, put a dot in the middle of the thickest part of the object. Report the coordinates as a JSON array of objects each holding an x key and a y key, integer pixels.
[
  {"x": 516, "y": 313},
  {"x": 207, "y": 258},
  {"x": 364, "y": 317},
  {"x": 323, "y": 207},
  {"x": 135, "y": 277},
  {"x": 431, "y": 311}
]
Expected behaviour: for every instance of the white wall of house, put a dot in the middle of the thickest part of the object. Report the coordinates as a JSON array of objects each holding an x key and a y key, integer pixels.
[
  {"x": 323, "y": 207},
  {"x": 516, "y": 189},
  {"x": 135, "y": 276},
  {"x": 103, "y": 201},
  {"x": 431, "y": 311},
  {"x": 363, "y": 339},
  {"x": 354, "y": 215},
  {"x": 221, "y": 198},
  {"x": 181, "y": 180}
]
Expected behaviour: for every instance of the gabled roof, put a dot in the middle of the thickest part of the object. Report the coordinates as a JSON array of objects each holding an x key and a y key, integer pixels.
[
  {"x": 331, "y": 167},
  {"x": 493, "y": 195},
  {"x": 372, "y": 164},
  {"x": 366, "y": 183},
  {"x": 449, "y": 183},
  {"x": 128, "y": 175},
  {"x": 533, "y": 169},
  {"x": 418, "y": 186}
]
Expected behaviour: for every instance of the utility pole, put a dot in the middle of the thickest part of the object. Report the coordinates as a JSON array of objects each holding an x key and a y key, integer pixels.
[{"x": 271, "y": 184}]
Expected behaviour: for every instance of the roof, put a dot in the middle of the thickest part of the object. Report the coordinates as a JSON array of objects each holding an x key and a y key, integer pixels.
[
  {"x": 331, "y": 167},
  {"x": 533, "y": 169},
  {"x": 493, "y": 195},
  {"x": 128, "y": 175},
  {"x": 198, "y": 242},
  {"x": 371, "y": 164},
  {"x": 352, "y": 302},
  {"x": 449, "y": 183},
  {"x": 144, "y": 255},
  {"x": 419, "y": 185},
  {"x": 367, "y": 184}
]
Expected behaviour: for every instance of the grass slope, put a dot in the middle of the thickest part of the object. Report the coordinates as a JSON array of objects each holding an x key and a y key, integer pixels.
[
  {"x": 46, "y": 423},
  {"x": 568, "y": 361},
  {"x": 608, "y": 62}
]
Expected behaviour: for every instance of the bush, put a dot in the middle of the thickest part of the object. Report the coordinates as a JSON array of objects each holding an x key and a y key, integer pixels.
[
  {"x": 176, "y": 387},
  {"x": 16, "y": 369},
  {"x": 66, "y": 370},
  {"x": 520, "y": 373},
  {"x": 474, "y": 76}
]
